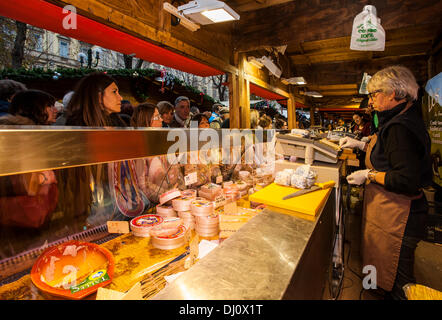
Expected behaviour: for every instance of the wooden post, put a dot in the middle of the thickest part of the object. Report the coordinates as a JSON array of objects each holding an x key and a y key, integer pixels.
[
  {"x": 244, "y": 92},
  {"x": 312, "y": 116},
  {"x": 234, "y": 101},
  {"x": 291, "y": 110}
]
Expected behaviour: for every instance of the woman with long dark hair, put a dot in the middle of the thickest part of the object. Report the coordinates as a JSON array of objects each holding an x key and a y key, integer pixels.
[{"x": 95, "y": 102}]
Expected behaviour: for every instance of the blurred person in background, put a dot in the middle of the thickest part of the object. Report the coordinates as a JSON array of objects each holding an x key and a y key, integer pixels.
[
  {"x": 166, "y": 109},
  {"x": 146, "y": 115},
  {"x": 36, "y": 105},
  {"x": 8, "y": 88},
  {"x": 202, "y": 120},
  {"x": 182, "y": 112}
]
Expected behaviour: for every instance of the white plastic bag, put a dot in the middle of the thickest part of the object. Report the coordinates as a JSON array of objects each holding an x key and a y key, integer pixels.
[{"x": 367, "y": 33}]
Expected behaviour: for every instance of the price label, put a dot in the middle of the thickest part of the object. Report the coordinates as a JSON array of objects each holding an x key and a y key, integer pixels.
[
  {"x": 220, "y": 201},
  {"x": 118, "y": 227},
  {"x": 191, "y": 178}
]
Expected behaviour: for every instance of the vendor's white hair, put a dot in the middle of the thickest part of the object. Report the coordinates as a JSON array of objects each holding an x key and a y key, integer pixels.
[{"x": 397, "y": 79}]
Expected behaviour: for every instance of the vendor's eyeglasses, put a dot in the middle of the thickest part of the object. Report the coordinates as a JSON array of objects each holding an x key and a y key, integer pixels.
[{"x": 371, "y": 95}]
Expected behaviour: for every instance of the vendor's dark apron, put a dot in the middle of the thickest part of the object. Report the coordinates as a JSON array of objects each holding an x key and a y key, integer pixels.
[{"x": 384, "y": 218}]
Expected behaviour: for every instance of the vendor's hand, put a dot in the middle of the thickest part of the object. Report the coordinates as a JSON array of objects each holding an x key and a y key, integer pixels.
[
  {"x": 348, "y": 142},
  {"x": 365, "y": 139},
  {"x": 358, "y": 177}
]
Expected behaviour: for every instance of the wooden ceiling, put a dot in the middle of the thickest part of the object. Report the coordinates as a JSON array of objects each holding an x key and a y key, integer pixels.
[{"x": 317, "y": 35}]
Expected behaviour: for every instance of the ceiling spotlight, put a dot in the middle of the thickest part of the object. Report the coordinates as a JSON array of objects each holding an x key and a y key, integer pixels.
[
  {"x": 208, "y": 11},
  {"x": 294, "y": 80},
  {"x": 269, "y": 64},
  {"x": 313, "y": 94}
]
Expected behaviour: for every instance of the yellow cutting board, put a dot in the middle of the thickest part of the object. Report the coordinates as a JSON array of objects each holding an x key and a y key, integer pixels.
[{"x": 308, "y": 204}]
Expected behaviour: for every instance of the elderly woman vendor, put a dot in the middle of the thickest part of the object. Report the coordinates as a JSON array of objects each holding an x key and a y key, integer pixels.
[{"x": 398, "y": 167}]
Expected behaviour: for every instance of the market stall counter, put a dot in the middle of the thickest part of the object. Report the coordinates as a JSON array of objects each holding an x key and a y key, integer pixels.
[
  {"x": 273, "y": 256},
  {"x": 95, "y": 177}
]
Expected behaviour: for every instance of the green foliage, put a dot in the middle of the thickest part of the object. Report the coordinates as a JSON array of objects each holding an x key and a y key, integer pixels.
[{"x": 23, "y": 74}]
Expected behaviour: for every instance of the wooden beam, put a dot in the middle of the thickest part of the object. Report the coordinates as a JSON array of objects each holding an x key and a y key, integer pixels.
[
  {"x": 258, "y": 4},
  {"x": 352, "y": 72},
  {"x": 310, "y": 20}
]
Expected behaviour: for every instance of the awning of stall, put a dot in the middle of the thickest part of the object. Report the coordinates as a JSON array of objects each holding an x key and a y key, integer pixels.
[
  {"x": 50, "y": 17},
  {"x": 267, "y": 94}
]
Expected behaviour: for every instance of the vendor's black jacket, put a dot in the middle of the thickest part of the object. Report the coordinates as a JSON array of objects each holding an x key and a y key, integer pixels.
[{"x": 403, "y": 152}]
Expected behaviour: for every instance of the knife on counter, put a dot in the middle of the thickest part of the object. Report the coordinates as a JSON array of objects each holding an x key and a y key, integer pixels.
[{"x": 317, "y": 186}]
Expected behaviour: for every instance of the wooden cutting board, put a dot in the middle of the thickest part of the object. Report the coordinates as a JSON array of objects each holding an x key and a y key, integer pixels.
[{"x": 307, "y": 205}]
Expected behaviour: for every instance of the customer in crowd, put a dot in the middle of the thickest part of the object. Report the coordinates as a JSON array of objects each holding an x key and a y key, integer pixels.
[
  {"x": 96, "y": 102},
  {"x": 194, "y": 110},
  {"x": 182, "y": 111},
  {"x": 146, "y": 115},
  {"x": 166, "y": 109},
  {"x": 28, "y": 200},
  {"x": 225, "y": 115},
  {"x": 265, "y": 122},
  {"x": 215, "y": 112},
  {"x": 126, "y": 108},
  {"x": 61, "y": 116},
  {"x": 280, "y": 124},
  {"x": 36, "y": 105},
  {"x": 216, "y": 119},
  {"x": 201, "y": 120},
  {"x": 208, "y": 114},
  {"x": 8, "y": 88},
  {"x": 398, "y": 167},
  {"x": 254, "y": 118},
  {"x": 361, "y": 127}
]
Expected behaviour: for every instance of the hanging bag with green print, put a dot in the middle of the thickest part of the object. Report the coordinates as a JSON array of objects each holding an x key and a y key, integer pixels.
[{"x": 367, "y": 33}]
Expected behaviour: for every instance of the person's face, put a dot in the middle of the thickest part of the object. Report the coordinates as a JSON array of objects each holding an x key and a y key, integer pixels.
[
  {"x": 204, "y": 123},
  {"x": 182, "y": 109},
  {"x": 357, "y": 119},
  {"x": 112, "y": 98},
  {"x": 51, "y": 111},
  {"x": 156, "y": 120},
  {"x": 381, "y": 101},
  {"x": 284, "y": 127},
  {"x": 167, "y": 116},
  {"x": 341, "y": 122}
]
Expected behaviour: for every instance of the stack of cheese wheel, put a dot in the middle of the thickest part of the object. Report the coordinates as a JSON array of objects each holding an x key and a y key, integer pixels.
[
  {"x": 182, "y": 203},
  {"x": 165, "y": 211},
  {"x": 243, "y": 188},
  {"x": 231, "y": 192},
  {"x": 141, "y": 225},
  {"x": 207, "y": 226},
  {"x": 182, "y": 206},
  {"x": 210, "y": 191},
  {"x": 172, "y": 241},
  {"x": 188, "y": 219},
  {"x": 206, "y": 221}
]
